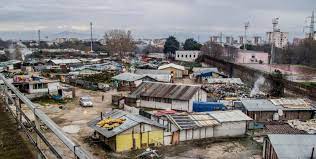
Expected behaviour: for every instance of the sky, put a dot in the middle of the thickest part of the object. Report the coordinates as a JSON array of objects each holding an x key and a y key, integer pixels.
[{"x": 19, "y": 19}]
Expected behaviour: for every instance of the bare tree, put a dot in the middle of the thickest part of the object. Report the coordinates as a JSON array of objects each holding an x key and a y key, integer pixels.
[
  {"x": 119, "y": 42},
  {"x": 212, "y": 49}
]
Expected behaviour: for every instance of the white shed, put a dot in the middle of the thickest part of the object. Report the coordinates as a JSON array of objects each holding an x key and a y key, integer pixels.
[{"x": 233, "y": 123}]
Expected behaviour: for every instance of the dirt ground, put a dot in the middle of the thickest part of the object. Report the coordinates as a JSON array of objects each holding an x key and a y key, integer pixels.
[
  {"x": 73, "y": 118},
  {"x": 235, "y": 148}
]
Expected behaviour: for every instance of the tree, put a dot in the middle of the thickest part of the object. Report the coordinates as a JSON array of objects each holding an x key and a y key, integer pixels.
[
  {"x": 119, "y": 42},
  {"x": 212, "y": 49},
  {"x": 191, "y": 44},
  {"x": 171, "y": 45}
]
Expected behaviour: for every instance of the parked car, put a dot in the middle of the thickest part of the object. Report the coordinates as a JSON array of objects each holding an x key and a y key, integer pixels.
[{"x": 86, "y": 101}]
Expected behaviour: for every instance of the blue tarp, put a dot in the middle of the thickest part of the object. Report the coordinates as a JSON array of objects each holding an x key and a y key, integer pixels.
[{"x": 207, "y": 106}]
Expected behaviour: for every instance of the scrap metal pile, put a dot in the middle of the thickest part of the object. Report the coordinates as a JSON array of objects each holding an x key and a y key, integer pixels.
[
  {"x": 308, "y": 126},
  {"x": 221, "y": 91},
  {"x": 110, "y": 123}
]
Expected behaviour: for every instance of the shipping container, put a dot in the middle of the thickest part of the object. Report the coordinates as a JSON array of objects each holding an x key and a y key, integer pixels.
[{"x": 207, "y": 106}]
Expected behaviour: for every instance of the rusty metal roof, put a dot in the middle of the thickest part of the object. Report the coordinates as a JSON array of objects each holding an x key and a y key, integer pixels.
[{"x": 165, "y": 90}]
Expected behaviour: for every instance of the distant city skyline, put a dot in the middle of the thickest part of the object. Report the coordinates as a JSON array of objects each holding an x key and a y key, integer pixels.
[{"x": 21, "y": 19}]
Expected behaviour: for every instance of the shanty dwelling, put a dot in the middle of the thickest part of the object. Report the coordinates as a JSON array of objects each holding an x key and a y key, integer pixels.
[
  {"x": 191, "y": 126},
  {"x": 264, "y": 110},
  {"x": 129, "y": 81},
  {"x": 53, "y": 62},
  {"x": 123, "y": 131},
  {"x": 203, "y": 74},
  {"x": 186, "y": 127},
  {"x": 165, "y": 96},
  {"x": 159, "y": 75},
  {"x": 232, "y": 123},
  {"x": 33, "y": 85},
  {"x": 286, "y": 146},
  {"x": 177, "y": 71}
]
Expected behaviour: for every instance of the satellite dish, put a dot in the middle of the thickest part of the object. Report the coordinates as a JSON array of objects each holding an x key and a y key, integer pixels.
[{"x": 280, "y": 112}]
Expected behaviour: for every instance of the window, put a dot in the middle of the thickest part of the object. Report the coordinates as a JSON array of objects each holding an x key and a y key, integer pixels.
[
  {"x": 190, "y": 56},
  {"x": 194, "y": 56},
  {"x": 178, "y": 55},
  {"x": 40, "y": 86},
  {"x": 186, "y": 56}
]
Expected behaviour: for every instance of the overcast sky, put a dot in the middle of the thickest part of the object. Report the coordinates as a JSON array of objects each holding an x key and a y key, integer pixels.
[{"x": 152, "y": 18}]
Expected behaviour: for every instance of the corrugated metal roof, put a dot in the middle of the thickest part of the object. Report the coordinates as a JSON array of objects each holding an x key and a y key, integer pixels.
[
  {"x": 259, "y": 105},
  {"x": 131, "y": 121},
  {"x": 291, "y": 103},
  {"x": 65, "y": 61},
  {"x": 204, "y": 70},
  {"x": 224, "y": 80},
  {"x": 179, "y": 67},
  {"x": 126, "y": 76},
  {"x": 165, "y": 90},
  {"x": 268, "y": 105},
  {"x": 204, "y": 120},
  {"x": 191, "y": 121},
  {"x": 282, "y": 129},
  {"x": 150, "y": 71},
  {"x": 229, "y": 116},
  {"x": 293, "y": 146}
]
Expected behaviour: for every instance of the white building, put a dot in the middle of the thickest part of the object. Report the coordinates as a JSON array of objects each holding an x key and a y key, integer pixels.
[
  {"x": 189, "y": 56},
  {"x": 278, "y": 38},
  {"x": 157, "y": 95}
]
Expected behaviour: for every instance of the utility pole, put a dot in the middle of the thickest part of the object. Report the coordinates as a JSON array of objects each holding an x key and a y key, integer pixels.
[
  {"x": 39, "y": 38},
  {"x": 91, "y": 43},
  {"x": 245, "y": 36},
  {"x": 275, "y": 22}
]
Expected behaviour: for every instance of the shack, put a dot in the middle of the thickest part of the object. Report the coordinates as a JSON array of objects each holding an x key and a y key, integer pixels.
[
  {"x": 33, "y": 85},
  {"x": 127, "y": 131},
  {"x": 264, "y": 110},
  {"x": 129, "y": 81},
  {"x": 177, "y": 71},
  {"x": 233, "y": 123},
  {"x": 159, "y": 75},
  {"x": 286, "y": 146},
  {"x": 187, "y": 127},
  {"x": 157, "y": 95}
]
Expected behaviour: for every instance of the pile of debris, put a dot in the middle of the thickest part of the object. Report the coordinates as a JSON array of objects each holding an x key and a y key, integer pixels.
[
  {"x": 220, "y": 91},
  {"x": 308, "y": 126}
]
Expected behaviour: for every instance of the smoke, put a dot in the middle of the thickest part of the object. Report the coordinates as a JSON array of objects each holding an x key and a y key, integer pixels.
[{"x": 256, "y": 88}]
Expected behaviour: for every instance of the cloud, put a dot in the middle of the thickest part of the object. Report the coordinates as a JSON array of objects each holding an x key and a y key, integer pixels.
[{"x": 154, "y": 17}]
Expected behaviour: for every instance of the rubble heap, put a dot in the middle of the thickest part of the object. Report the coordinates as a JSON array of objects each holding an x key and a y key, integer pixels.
[
  {"x": 221, "y": 91},
  {"x": 308, "y": 126}
]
